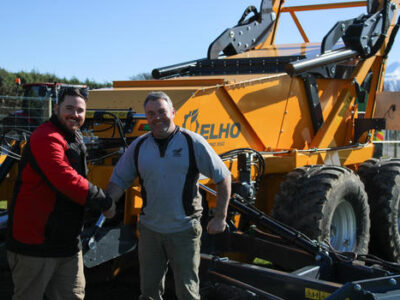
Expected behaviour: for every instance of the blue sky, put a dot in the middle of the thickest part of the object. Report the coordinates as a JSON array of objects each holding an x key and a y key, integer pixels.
[{"x": 114, "y": 40}]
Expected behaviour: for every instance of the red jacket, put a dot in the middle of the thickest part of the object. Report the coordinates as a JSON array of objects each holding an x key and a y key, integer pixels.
[{"x": 46, "y": 216}]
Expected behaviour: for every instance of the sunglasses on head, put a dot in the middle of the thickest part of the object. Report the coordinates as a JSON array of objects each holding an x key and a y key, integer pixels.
[{"x": 73, "y": 91}]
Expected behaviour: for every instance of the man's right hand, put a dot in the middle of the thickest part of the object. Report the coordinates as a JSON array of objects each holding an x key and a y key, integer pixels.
[
  {"x": 110, "y": 213},
  {"x": 115, "y": 192}
]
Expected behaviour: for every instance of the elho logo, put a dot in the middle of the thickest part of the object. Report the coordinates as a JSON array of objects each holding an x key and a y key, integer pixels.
[{"x": 210, "y": 131}]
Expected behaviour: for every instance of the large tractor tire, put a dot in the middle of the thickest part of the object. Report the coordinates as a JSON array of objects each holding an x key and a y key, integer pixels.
[
  {"x": 327, "y": 203},
  {"x": 381, "y": 178}
]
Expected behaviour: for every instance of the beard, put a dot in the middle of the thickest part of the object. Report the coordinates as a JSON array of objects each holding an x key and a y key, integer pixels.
[
  {"x": 71, "y": 129},
  {"x": 161, "y": 130}
]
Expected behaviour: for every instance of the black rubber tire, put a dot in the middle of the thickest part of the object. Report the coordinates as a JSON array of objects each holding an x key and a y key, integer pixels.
[
  {"x": 381, "y": 178},
  {"x": 311, "y": 196}
]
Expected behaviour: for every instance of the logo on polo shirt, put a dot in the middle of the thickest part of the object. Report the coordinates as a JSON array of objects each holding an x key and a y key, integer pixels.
[{"x": 177, "y": 152}]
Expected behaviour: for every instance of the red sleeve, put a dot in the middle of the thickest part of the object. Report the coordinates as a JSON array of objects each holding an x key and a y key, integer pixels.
[{"x": 49, "y": 153}]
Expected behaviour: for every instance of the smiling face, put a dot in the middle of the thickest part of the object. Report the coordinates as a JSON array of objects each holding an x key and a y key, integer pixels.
[
  {"x": 160, "y": 116},
  {"x": 71, "y": 112}
]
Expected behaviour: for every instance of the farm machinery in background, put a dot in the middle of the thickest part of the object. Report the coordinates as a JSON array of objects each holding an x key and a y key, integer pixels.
[
  {"x": 308, "y": 196},
  {"x": 28, "y": 111},
  {"x": 19, "y": 116}
]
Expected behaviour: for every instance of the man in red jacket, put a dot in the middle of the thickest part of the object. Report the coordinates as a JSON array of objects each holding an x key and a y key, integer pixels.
[{"x": 46, "y": 215}]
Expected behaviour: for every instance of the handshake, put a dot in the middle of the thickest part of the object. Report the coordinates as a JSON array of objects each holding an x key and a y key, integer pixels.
[
  {"x": 110, "y": 196},
  {"x": 110, "y": 213}
]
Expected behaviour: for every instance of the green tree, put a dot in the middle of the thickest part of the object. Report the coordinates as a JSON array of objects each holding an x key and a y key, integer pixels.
[
  {"x": 141, "y": 76},
  {"x": 9, "y": 87}
]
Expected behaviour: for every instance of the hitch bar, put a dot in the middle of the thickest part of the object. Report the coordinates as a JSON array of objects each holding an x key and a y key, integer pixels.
[{"x": 267, "y": 222}]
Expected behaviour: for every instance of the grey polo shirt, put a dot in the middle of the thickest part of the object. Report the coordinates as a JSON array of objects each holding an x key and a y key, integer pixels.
[{"x": 164, "y": 175}]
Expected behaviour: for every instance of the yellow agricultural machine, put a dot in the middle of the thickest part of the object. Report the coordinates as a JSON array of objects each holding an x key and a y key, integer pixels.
[{"x": 308, "y": 196}]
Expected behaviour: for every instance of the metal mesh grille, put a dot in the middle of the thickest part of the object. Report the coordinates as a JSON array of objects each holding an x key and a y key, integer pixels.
[
  {"x": 389, "y": 146},
  {"x": 23, "y": 113}
]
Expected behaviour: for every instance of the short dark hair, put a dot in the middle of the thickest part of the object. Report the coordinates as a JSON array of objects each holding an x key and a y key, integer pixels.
[
  {"x": 153, "y": 96},
  {"x": 72, "y": 91}
]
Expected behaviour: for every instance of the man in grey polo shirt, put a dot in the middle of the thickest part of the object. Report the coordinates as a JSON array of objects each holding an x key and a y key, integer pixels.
[{"x": 168, "y": 161}]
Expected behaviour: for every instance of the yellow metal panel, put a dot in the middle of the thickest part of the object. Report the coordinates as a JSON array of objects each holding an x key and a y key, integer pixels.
[
  {"x": 212, "y": 114},
  {"x": 329, "y": 91},
  {"x": 263, "y": 104},
  {"x": 333, "y": 132},
  {"x": 297, "y": 130},
  {"x": 99, "y": 174},
  {"x": 133, "y": 204},
  {"x": 344, "y": 156},
  {"x": 134, "y": 98},
  {"x": 178, "y": 82},
  {"x": 2, "y": 158}
]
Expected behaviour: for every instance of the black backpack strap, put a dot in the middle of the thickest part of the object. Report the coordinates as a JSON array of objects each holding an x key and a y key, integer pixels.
[
  {"x": 192, "y": 176},
  {"x": 34, "y": 165},
  {"x": 136, "y": 160},
  {"x": 26, "y": 158},
  {"x": 21, "y": 166},
  {"x": 190, "y": 187}
]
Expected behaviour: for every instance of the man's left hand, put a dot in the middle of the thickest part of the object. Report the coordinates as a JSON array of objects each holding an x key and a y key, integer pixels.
[
  {"x": 216, "y": 225},
  {"x": 110, "y": 213}
]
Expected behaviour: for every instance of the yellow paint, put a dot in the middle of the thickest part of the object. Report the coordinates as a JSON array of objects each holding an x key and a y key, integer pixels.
[
  {"x": 314, "y": 294},
  {"x": 265, "y": 112},
  {"x": 2, "y": 158}
]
